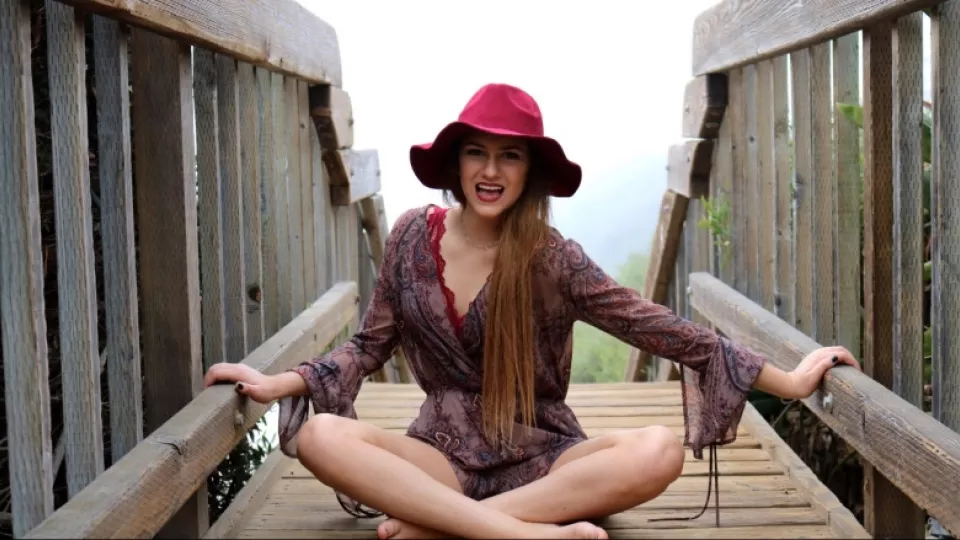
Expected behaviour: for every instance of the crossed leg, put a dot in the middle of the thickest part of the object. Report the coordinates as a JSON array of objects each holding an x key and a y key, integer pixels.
[{"x": 415, "y": 484}]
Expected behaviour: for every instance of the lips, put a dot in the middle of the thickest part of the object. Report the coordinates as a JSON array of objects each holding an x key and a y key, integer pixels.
[{"x": 489, "y": 192}]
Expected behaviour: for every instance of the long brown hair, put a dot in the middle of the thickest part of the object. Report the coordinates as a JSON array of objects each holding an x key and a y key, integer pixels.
[{"x": 509, "y": 349}]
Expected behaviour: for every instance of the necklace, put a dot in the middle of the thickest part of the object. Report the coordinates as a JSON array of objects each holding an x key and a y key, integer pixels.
[{"x": 466, "y": 236}]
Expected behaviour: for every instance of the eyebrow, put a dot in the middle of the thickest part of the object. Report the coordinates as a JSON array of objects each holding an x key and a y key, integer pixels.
[{"x": 509, "y": 147}]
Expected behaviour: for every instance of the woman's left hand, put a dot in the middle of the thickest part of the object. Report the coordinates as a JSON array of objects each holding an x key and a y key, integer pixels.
[{"x": 807, "y": 375}]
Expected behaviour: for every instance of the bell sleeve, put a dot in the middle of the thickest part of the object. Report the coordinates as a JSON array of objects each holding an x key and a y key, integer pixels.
[
  {"x": 719, "y": 372},
  {"x": 334, "y": 379}
]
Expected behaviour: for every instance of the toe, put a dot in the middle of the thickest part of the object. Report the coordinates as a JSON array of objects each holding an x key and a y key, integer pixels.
[{"x": 388, "y": 529}]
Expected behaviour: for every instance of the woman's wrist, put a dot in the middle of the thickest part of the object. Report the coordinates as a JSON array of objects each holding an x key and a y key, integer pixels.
[
  {"x": 774, "y": 380},
  {"x": 286, "y": 384}
]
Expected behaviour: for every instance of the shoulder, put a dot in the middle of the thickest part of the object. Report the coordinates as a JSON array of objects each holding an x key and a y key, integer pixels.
[
  {"x": 407, "y": 222},
  {"x": 562, "y": 256}
]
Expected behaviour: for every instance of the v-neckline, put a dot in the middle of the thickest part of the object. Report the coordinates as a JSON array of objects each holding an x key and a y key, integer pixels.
[{"x": 437, "y": 227}]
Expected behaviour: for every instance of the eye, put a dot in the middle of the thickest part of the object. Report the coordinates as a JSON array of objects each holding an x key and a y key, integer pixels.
[
  {"x": 513, "y": 155},
  {"x": 473, "y": 151}
]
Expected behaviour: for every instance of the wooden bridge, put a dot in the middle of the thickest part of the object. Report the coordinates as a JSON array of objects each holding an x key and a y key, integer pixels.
[{"x": 214, "y": 209}]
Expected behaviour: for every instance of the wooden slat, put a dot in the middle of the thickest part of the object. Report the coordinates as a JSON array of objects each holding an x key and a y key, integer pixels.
[
  {"x": 821, "y": 190},
  {"x": 251, "y": 192},
  {"x": 766, "y": 193},
  {"x": 298, "y": 297},
  {"x": 311, "y": 288},
  {"x": 332, "y": 113},
  {"x": 282, "y": 35},
  {"x": 234, "y": 293},
  {"x": 167, "y": 227},
  {"x": 110, "y": 61},
  {"x": 945, "y": 257},
  {"x": 800, "y": 66},
  {"x": 723, "y": 246},
  {"x": 704, "y": 104},
  {"x": 663, "y": 254},
  {"x": 751, "y": 184},
  {"x": 737, "y": 115},
  {"x": 786, "y": 279},
  {"x": 900, "y": 440},
  {"x": 846, "y": 89},
  {"x": 24, "y": 327},
  {"x": 76, "y": 281},
  {"x": 363, "y": 168},
  {"x": 688, "y": 168},
  {"x": 281, "y": 147},
  {"x": 734, "y": 33},
  {"x": 141, "y": 491},
  {"x": 270, "y": 217},
  {"x": 210, "y": 210}
]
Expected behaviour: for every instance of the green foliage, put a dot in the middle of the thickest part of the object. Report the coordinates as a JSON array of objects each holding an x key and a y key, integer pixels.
[
  {"x": 716, "y": 221},
  {"x": 237, "y": 468}
]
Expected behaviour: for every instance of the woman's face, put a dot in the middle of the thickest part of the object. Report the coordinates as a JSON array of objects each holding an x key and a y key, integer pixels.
[{"x": 493, "y": 172}]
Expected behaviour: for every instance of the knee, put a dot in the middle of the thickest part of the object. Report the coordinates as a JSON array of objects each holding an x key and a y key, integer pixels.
[
  {"x": 658, "y": 457},
  {"x": 323, "y": 436}
]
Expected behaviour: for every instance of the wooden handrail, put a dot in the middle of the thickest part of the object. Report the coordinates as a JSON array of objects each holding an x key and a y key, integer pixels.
[
  {"x": 280, "y": 35},
  {"x": 137, "y": 495},
  {"x": 915, "y": 452},
  {"x": 735, "y": 33}
]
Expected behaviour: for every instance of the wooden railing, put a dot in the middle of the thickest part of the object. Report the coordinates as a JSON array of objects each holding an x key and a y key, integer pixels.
[
  {"x": 762, "y": 233},
  {"x": 218, "y": 190}
]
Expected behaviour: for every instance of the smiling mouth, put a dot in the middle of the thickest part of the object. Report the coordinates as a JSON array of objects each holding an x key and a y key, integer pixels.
[{"x": 489, "y": 192}]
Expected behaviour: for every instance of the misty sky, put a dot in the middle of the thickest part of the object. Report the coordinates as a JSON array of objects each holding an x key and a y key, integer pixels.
[{"x": 608, "y": 75}]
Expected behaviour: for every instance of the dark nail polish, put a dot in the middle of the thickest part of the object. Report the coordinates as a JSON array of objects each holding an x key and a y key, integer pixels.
[
  {"x": 240, "y": 385},
  {"x": 836, "y": 359}
]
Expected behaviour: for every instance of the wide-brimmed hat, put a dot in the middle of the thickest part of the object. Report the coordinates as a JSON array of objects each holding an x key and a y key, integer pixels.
[{"x": 498, "y": 109}]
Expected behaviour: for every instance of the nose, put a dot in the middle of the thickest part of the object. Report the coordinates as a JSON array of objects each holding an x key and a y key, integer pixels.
[{"x": 491, "y": 169}]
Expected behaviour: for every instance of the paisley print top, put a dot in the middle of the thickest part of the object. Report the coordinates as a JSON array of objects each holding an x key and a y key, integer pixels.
[{"x": 409, "y": 308}]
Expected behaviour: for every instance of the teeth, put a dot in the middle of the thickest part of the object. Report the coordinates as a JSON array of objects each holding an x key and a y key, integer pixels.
[{"x": 491, "y": 188}]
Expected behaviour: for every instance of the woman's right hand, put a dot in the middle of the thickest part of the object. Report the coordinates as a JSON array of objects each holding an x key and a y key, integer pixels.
[{"x": 249, "y": 382}]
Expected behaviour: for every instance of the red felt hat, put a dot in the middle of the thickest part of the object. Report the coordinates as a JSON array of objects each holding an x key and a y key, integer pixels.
[{"x": 498, "y": 109}]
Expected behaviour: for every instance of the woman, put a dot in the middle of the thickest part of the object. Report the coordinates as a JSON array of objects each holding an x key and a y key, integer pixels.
[{"x": 483, "y": 298}]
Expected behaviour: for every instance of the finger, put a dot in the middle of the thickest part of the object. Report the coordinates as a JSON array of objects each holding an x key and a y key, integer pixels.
[
  {"x": 222, "y": 373},
  {"x": 255, "y": 392}
]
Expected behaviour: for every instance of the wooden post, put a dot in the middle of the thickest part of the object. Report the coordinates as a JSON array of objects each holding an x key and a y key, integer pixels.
[{"x": 169, "y": 259}]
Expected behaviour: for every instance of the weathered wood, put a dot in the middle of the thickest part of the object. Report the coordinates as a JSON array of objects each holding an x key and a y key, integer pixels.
[
  {"x": 704, "y": 102},
  {"x": 723, "y": 244},
  {"x": 823, "y": 501},
  {"x": 76, "y": 281},
  {"x": 252, "y": 194},
  {"x": 800, "y": 66},
  {"x": 269, "y": 216},
  {"x": 281, "y": 145},
  {"x": 688, "y": 168},
  {"x": 24, "y": 327},
  {"x": 734, "y": 33},
  {"x": 321, "y": 209},
  {"x": 332, "y": 113},
  {"x": 846, "y": 89},
  {"x": 663, "y": 256},
  {"x": 736, "y": 113},
  {"x": 821, "y": 190},
  {"x": 167, "y": 226},
  {"x": 281, "y": 35},
  {"x": 750, "y": 197},
  {"x": 786, "y": 279},
  {"x": 766, "y": 192},
  {"x": 140, "y": 492},
  {"x": 363, "y": 167},
  {"x": 306, "y": 188},
  {"x": 110, "y": 62},
  {"x": 945, "y": 42},
  {"x": 210, "y": 209},
  {"x": 900, "y": 440},
  {"x": 254, "y": 492},
  {"x": 231, "y": 189},
  {"x": 298, "y": 297}
]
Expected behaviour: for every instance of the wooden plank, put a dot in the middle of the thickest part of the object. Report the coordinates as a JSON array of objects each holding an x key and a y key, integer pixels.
[
  {"x": 270, "y": 217},
  {"x": 332, "y": 113},
  {"x": 281, "y": 144},
  {"x": 167, "y": 227},
  {"x": 139, "y": 493},
  {"x": 252, "y": 193},
  {"x": 782, "y": 148},
  {"x": 946, "y": 282},
  {"x": 821, "y": 190},
  {"x": 363, "y": 168},
  {"x": 298, "y": 296},
  {"x": 311, "y": 289},
  {"x": 110, "y": 62},
  {"x": 688, "y": 168},
  {"x": 234, "y": 290},
  {"x": 252, "y": 495},
  {"x": 663, "y": 255},
  {"x": 24, "y": 327},
  {"x": 704, "y": 102},
  {"x": 737, "y": 116},
  {"x": 751, "y": 184},
  {"x": 734, "y": 33},
  {"x": 838, "y": 517},
  {"x": 281, "y": 35},
  {"x": 321, "y": 204},
  {"x": 800, "y": 66},
  {"x": 766, "y": 193},
  {"x": 723, "y": 245},
  {"x": 210, "y": 210},
  {"x": 76, "y": 280},
  {"x": 900, "y": 440},
  {"x": 846, "y": 89}
]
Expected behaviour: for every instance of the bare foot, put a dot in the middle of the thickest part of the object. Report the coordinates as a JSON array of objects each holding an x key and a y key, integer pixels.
[
  {"x": 582, "y": 529},
  {"x": 396, "y": 529}
]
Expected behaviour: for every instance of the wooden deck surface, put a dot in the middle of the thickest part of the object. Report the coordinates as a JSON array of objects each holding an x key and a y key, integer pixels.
[{"x": 765, "y": 490}]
